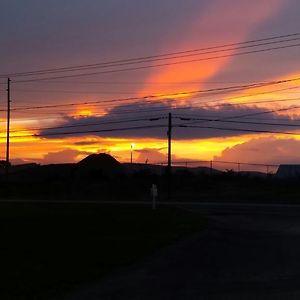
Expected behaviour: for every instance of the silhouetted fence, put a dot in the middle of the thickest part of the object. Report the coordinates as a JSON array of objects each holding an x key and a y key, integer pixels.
[{"x": 234, "y": 166}]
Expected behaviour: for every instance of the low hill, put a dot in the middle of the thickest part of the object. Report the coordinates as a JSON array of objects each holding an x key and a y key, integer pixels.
[{"x": 100, "y": 162}]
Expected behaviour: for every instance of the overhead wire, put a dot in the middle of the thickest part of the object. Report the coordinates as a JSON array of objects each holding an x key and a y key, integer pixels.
[
  {"x": 172, "y": 55},
  {"x": 91, "y": 131},
  {"x": 248, "y": 86},
  {"x": 88, "y": 124},
  {"x": 240, "y": 122},
  {"x": 239, "y": 129},
  {"x": 157, "y": 65},
  {"x": 192, "y": 126}
]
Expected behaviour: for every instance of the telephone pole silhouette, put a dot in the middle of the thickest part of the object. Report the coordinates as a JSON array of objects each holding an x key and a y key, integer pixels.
[
  {"x": 169, "y": 167},
  {"x": 8, "y": 127}
]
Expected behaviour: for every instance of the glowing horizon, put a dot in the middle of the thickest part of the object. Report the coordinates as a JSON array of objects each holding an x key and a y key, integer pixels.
[{"x": 208, "y": 24}]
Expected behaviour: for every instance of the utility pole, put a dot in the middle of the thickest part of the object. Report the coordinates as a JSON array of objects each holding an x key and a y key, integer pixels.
[
  {"x": 169, "y": 168},
  {"x": 8, "y": 126}
]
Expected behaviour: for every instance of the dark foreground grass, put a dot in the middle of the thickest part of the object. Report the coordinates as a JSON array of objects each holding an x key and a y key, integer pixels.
[{"x": 47, "y": 250}]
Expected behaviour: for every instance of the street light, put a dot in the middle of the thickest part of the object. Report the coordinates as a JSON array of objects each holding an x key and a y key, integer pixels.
[{"x": 131, "y": 152}]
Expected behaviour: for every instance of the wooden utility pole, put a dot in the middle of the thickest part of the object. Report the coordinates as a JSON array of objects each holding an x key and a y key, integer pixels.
[
  {"x": 169, "y": 168},
  {"x": 8, "y": 126}
]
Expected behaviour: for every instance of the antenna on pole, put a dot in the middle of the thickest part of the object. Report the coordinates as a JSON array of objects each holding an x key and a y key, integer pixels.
[{"x": 8, "y": 126}]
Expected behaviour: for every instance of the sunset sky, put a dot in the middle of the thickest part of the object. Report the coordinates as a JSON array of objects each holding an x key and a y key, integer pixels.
[{"x": 38, "y": 35}]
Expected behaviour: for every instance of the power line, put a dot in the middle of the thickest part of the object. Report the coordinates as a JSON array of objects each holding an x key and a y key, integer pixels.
[
  {"x": 211, "y": 92},
  {"x": 231, "y": 98},
  {"x": 218, "y": 100},
  {"x": 190, "y": 107},
  {"x": 239, "y": 129},
  {"x": 96, "y": 115},
  {"x": 185, "y": 125},
  {"x": 239, "y": 122},
  {"x": 158, "y": 65},
  {"x": 109, "y": 92},
  {"x": 264, "y": 112},
  {"x": 249, "y": 86},
  {"x": 155, "y": 126},
  {"x": 160, "y": 109},
  {"x": 252, "y": 114},
  {"x": 152, "y": 96},
  {"x": 89, "y": 124},
  {"x": 179, "y": 82},
  {"x": 182, "y": 108},
  {"x": 185, "y": 107},
  {"x": 263, "y": 93},
  {"x": 273, "y": 119},
  {"x": 161, "y": 56},
  {"x": 238, "y": 117},
  {"x": 97, "y": 66},
  {"x": 254, "y": 94},
  {"x": 92, "y": 131},
  {"x": 225, "y": 104}
]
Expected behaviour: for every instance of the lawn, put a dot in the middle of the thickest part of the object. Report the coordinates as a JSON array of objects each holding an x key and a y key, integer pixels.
[{"x": 49, "y": 249}]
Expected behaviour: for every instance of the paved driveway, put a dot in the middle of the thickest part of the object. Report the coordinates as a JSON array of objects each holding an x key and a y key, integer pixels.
[{"x": 239, "y": 256}]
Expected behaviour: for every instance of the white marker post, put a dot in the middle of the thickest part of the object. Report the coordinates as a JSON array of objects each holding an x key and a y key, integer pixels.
[{"x": 154, "y": 195}]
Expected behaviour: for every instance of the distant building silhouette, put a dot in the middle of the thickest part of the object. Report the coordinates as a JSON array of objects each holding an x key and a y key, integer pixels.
[
  {"x": 101, "y": 163},
  {"x": 288, "y": 171}
]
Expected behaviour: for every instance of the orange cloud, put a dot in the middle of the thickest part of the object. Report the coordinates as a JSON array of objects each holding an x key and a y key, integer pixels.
[
  {"x": 46, "y": 151},
  {"x": 257, "y": 150},
  {"x": 218, "y": 21}
]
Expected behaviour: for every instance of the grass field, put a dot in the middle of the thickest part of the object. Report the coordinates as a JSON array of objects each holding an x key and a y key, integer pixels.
[
  {"x": 49, "y": 249},
  {"x": 185, "y": 187}
]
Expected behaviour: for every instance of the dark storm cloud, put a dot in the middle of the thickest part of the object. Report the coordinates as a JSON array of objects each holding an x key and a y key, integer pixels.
[
  {"x": 86, "y": 143},
  {"x": 141, "y": 114}
]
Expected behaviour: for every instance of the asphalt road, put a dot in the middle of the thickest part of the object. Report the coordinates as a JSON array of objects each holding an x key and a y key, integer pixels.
[{"x": 245, "y": 253}]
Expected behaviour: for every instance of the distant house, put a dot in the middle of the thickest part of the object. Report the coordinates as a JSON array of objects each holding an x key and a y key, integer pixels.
[{"x": 288, "y": 171}]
